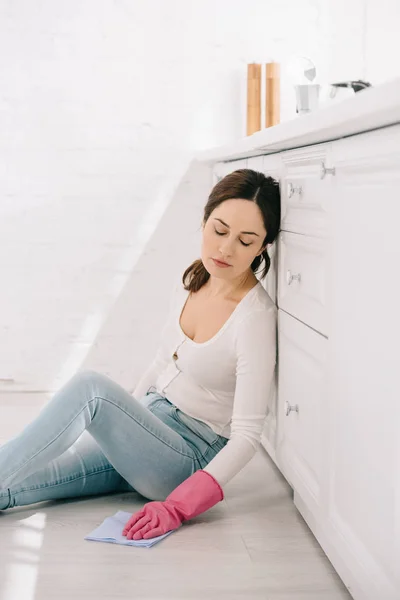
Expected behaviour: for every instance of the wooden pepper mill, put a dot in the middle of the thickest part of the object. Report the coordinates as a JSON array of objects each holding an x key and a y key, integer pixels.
[{"x": 272, "y": 94}]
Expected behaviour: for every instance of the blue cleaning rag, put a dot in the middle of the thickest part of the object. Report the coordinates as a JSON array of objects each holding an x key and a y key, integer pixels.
[{"x": 111, "y": 531}]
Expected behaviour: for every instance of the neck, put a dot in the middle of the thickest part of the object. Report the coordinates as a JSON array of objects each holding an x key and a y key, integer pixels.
[{"x": 221, "y": 288}]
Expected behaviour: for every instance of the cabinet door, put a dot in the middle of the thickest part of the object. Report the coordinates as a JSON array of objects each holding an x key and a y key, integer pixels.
[
  {"x": 363, "y": 504},
  {"x": 301, "y": 385}
]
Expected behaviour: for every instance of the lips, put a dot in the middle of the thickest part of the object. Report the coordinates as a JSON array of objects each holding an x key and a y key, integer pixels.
[{"x": 220, "y": 262}]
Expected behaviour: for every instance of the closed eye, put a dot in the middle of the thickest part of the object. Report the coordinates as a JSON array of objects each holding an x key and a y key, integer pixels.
[{"x": 222, "y": 233}]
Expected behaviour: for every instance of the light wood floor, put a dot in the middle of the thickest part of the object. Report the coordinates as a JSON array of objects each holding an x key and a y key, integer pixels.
[{"x": 253, "y": 545}]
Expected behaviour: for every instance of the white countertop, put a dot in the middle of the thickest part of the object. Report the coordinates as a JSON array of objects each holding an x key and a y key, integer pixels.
[{"x": 369, "y": 109}]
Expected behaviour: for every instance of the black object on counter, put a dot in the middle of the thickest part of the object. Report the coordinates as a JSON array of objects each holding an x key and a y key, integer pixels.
[{"x": 357, "y": 85}]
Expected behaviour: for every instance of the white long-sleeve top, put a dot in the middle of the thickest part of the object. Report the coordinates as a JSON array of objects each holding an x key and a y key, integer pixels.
[{"x": 224, "y": 382}]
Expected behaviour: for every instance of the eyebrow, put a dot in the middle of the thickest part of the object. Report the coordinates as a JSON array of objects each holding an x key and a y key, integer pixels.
[{"x": 226, "y": 225}]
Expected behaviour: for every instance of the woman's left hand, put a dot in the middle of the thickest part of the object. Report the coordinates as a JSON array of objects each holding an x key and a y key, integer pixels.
[
  {"x": 155, "y": 518},
  {"x": 194, "y": 496}
]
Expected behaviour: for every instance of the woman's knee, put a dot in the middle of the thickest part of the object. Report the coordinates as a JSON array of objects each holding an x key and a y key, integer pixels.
[{"x": 87, "y": 381}]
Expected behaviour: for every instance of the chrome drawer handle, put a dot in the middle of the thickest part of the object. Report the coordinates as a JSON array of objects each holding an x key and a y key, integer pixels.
[
  {"x": 292, "y": 190},
  {"x": 290, "y": 277},
  {"x": 326, "y": 170},
  {"x": 289, "y": 408}
]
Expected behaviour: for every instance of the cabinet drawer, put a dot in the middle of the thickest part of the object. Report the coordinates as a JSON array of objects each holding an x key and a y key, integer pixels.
[
  {"x": 306, "y": 189},
  {"x": 301, "y": 384},
  {"x": 302, "y": 278}
]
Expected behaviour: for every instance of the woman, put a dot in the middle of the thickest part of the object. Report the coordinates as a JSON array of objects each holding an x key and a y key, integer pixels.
[{"x": 197, "y": 413}]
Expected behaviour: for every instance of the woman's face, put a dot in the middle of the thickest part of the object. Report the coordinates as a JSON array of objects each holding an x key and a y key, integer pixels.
[{"x": 224, "y": 238}]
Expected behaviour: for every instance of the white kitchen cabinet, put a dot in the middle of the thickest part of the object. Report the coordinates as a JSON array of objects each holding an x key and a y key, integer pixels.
[
  {"x": 333, "y": 426},
  {"x": 334, "y": 411},
  {"x": 339, "y": 326}
]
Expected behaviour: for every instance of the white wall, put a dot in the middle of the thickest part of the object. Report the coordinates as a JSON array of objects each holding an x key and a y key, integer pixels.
[
  {"x": 382, "y": 40},
  {"x": 102, "y": 105}
]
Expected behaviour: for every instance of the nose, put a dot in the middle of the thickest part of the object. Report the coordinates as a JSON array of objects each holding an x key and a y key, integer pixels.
[{"x": 225, "y": 248}]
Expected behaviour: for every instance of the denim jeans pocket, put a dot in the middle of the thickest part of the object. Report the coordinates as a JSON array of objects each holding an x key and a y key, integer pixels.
[
  {"x": 200, "y": 429},
  {"x": 151, "y": 400},
  {"x": 203, "y": 440}
]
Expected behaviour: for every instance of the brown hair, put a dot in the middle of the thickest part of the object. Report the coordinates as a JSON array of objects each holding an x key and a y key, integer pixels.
[{"x": 244, "y": 184}]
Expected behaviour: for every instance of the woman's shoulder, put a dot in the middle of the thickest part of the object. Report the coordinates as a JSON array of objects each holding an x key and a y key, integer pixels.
[
  {"x": 261, "y": 300},
  {"x": 258, "y": 317},
  {"x": 259, "y": 311}
]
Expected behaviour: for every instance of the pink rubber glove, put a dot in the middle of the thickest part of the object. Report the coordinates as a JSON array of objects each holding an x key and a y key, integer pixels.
[{"x": 194, "y": 496}]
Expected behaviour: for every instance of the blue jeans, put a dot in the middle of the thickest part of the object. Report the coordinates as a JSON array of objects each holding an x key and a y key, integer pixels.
[{"x": 93, "y": 437}]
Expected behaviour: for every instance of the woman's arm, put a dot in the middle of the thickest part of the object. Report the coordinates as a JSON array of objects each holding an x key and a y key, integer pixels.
[{"x": 256, "y": 358}]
